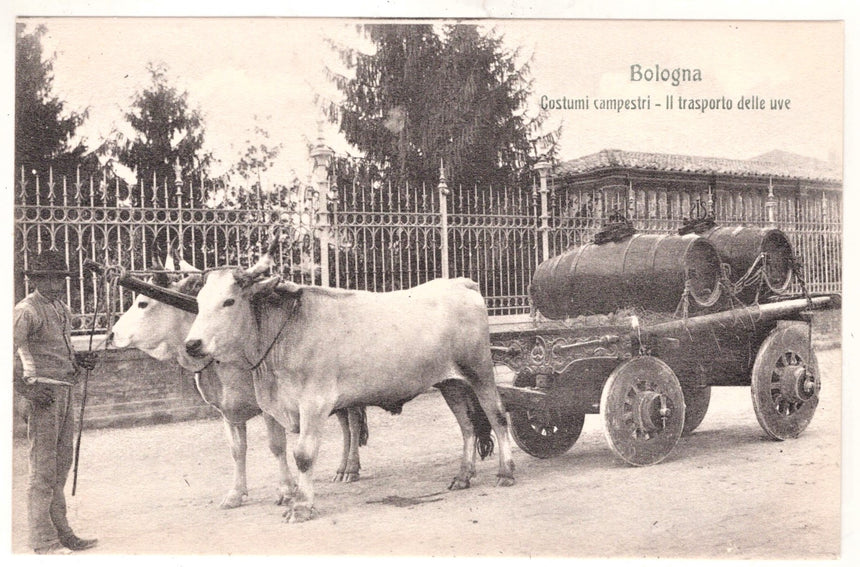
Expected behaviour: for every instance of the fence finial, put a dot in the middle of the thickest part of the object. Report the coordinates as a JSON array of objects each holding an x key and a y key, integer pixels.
[
  {"x": 443, "y": 182},
  {"x": 322, "y": 157},
  {"x": 770, "y": 204},
  {"x": 177, "y": 172}
]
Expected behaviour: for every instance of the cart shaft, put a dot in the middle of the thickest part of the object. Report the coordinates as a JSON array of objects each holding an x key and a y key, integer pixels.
[{"x": 742, "y": 317}]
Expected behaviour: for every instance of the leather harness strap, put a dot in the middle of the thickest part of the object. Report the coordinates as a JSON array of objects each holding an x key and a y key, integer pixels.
[{"x": 281, "y": 330}]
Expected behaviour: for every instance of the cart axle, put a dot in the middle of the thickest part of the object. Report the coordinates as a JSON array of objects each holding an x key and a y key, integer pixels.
[
  {"x": 651, "y": 412},
  {"x": 796, "y": 384}
]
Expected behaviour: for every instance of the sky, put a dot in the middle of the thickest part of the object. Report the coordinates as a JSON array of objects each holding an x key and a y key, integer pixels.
[{"x": 247, "y": 72}]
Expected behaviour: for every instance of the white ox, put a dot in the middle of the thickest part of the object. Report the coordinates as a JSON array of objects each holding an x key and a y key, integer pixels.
[
  {"x": 159, "y": 330},
  {"x": 318, "y": 350}
]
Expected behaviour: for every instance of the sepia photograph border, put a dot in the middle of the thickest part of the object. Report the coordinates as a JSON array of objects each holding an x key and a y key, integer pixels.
[{"x": 402, "y": 11}]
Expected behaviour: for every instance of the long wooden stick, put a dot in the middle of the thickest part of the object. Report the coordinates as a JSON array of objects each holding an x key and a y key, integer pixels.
[{"x": 84, "y": 400}]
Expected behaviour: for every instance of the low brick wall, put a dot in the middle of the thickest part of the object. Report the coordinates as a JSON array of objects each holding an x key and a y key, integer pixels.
[{"x": 129, "y": 388}]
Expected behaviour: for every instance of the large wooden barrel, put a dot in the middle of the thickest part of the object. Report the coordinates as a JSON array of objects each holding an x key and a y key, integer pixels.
[
  {"x": 739, "y": 247},
  {"x": 645, "y": 271}
]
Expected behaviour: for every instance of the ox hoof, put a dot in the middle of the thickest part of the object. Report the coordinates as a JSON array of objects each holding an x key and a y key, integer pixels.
[
  {"x": 505, "y": 481},
  {"x": 232, "y": 500},
  {"x": 298, "y": 514},
  {"x": 284, "y": 497},
  {"x": 351, "y": 476},
  {"x": 346, "y": 477},
  {"x": 459, "y": 484}
]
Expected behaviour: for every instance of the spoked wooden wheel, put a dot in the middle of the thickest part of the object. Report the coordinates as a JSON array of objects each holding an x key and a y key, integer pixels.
[
  {"x": 642, "y": 407},
  {"x": 696, "y": 401},
  {"x": 543, "y": 432},
  {"x": 785, "y": 382}
]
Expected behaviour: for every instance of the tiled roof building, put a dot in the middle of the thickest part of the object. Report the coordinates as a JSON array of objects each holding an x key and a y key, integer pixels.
[{"x": 776, "y": 164}]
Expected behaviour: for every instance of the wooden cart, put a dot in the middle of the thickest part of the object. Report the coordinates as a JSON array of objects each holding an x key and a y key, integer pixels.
[{"x": 651, "y": 383}]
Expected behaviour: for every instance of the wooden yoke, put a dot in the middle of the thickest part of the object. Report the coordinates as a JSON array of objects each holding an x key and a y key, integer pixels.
[{"x": 173, "y": 298}]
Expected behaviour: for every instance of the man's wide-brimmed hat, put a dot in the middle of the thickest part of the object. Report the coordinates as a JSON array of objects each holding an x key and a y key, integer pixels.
[{"x": 48, "y": 263}]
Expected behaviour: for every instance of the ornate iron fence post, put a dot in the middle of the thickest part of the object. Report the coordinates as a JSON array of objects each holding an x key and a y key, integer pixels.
[
  {"x": 177, "y": 172},
  {"x": 443, "y": 211},
  {"x": 630, "y": 212},
  {"x": 770, "y": 205},
  {"x": 322, "y": 157},
  {"x": 535, "y": 224},
  {"x": 543, "y": 168}
]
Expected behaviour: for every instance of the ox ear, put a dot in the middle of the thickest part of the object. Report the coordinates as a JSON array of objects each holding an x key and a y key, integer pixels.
[
  {"x": 160, "y": 278},
  {"x": 288, "y": 289},
  {"x": 190, "y": 285},
  {"x": 264, "y": 287},
  {"x": 242, "y": 279}
]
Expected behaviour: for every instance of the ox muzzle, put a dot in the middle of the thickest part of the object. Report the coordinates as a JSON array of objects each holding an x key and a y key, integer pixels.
[{"x": 194, "y": 348}]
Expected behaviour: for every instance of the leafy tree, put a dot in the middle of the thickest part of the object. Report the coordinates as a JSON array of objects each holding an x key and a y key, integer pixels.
[
  {"x": 422, "y": 98},
  {"x": 43, "y": 127},
  {"x": 385, "y": 104},
  {"x": 168, "y": 132},
  {"x": 260, "y": 155},
  {"x": 243, "y": 185},
  {"x": 480, "y": 110}
]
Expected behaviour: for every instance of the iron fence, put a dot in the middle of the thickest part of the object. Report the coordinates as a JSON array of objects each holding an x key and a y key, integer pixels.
[
  {"x": 811, "y": 220},
  {"x": 393, "y": 240},
  {"x": 384, "y": 238},
  {"x": 141, "y": 225},
  {"x": 376, "y": 236}
]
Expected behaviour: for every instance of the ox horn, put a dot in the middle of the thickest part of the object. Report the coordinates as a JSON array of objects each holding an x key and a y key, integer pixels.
[
  {"x": 160, "y": 278},
  {"x": 186, "y": 267},
  {"x": 265, "y": 262}
]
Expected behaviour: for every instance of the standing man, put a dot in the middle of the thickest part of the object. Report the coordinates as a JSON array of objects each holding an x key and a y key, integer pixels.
[{"x": 48, "y": 370}]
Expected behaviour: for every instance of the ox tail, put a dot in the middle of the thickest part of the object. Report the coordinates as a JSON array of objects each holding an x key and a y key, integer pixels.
[
  {"x": 484, "y": 442},
  {"x": 364, "y": 434}
]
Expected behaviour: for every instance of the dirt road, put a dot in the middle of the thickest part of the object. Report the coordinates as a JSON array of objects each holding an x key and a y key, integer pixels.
[{"x": 725, "y": 492}]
